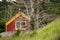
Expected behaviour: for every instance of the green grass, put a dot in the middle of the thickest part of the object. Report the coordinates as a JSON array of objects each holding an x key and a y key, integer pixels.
[{"x": 49, "y": 32}]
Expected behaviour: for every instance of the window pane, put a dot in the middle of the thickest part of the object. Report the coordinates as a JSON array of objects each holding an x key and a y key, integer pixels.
[
  {"x": 23, "y": 24},
  {"x": 18, "y": 24}
]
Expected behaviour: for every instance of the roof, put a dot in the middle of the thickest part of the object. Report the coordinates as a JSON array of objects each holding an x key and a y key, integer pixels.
[{"x": 17, "y": 15}]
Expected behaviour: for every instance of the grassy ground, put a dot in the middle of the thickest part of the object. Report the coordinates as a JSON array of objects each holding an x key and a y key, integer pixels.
[{"x": 50, "y": 32}]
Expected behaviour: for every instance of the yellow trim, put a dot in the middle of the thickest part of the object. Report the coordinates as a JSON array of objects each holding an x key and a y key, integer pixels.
[{"x": 17, "y": 15}]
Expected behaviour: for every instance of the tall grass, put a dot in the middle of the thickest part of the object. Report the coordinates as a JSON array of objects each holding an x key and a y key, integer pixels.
[{"x": 50, "y": 32}]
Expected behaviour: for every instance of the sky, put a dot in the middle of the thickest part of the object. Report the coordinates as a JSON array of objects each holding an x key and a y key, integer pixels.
[
  {"x": 12, "y": 0},
  {"x": 0, "y": 0}
]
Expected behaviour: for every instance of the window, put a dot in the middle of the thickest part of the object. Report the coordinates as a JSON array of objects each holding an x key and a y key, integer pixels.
[
  {"x": 21, "y": 24},
  {"x": 18, "y": 24}
]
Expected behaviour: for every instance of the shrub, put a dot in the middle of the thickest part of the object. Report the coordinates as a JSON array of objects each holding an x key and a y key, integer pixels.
[
  {"x": 0, "y": 36},
  {"x": 33, "y": 33},
  {"x": 17, "y": 33},
  {"x": 51, "y": 7},
  {"x": 2, "y": 25},
  {"x": 32, "y": 24}
]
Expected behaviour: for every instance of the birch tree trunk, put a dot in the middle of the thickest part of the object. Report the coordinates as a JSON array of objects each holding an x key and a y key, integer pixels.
[
  {"x": 32, "y": 16},
  {"x": 37, "y": 15}
]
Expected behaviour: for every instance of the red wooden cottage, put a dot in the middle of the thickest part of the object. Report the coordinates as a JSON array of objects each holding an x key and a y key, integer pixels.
[{"x": 19, "y": 21}]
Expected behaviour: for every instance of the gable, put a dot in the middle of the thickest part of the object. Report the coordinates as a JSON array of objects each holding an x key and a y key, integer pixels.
[{"x": 16, "y": 16}]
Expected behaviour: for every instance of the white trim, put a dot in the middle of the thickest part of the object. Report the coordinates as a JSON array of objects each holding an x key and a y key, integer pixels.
[
  {"x": 20, "y": 23},
  {"x": 15, "y": 24}
]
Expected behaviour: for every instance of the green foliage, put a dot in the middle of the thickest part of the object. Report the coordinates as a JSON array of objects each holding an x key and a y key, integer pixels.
[
  {"x": 32, "y": 23},
  {"x": 51, "y": 7},
  {"x": 0, "y": 36},
  {"x": 2, "y": 25},
  {"x": 55, "y": 1},
  {"x": 50, "y": 32},
  {"x": 33, "y": 33},
  {"x": 6, "y": 10},
  {"x": 17, "y": 33}
]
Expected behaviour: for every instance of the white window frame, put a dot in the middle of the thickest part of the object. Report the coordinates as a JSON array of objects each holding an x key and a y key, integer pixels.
[
  {"x": 16, "y": 25},
  {"x": 20, "y": 24}
]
